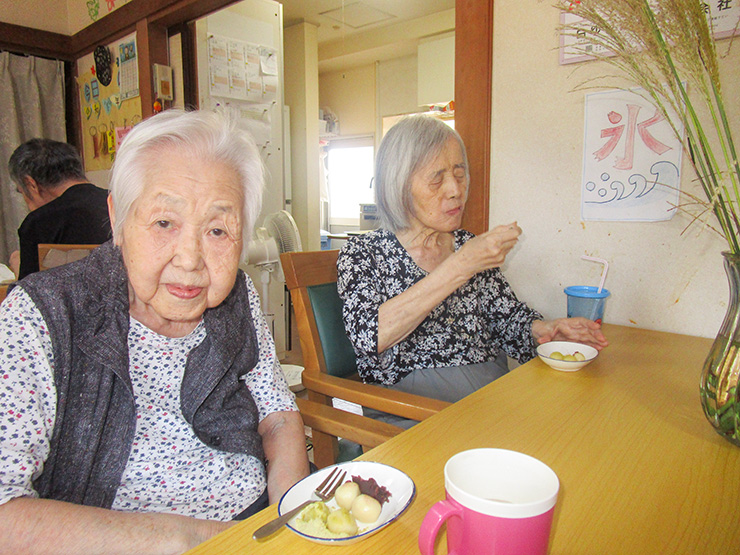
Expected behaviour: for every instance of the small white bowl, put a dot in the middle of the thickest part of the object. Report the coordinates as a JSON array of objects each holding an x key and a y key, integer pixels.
[{"x": 567, "y": 348}]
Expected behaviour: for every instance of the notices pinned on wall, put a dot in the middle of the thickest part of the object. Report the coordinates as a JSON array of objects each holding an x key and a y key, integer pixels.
[
  {"x": 237, "y": 70},
  {"x": 218, "y": 66},
  {"x": 252, "y": 54},
  {"x": 269, "y": 88},
  {"x": 219, "y": 80},
  {"x": 268, "y": 61},
  {"x": 259, "y": 121},
  {"x": 241, "y": 70},
  {"x": 236, "y": 54},
  {"x": 217, "y": 50},
  {"x": 254, "y": 77}
]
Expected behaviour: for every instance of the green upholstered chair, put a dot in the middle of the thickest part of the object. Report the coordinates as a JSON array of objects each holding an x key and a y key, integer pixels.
[{"x": 330, "y": 368}]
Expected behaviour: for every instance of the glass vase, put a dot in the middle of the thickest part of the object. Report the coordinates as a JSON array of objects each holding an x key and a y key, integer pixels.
[{"x": 719, "y": 377}]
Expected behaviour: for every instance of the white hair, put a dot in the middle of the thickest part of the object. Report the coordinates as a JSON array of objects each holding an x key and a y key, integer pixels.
[
  {"x": 214, "y": 136},
  {"x": 407, "y": 146}
]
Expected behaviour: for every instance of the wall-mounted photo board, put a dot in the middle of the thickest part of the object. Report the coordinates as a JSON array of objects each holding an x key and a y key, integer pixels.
[{"x": 108, "y": 85}]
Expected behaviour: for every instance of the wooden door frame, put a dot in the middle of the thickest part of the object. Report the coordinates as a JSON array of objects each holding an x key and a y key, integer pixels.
[{"x": 474, "y": 102}]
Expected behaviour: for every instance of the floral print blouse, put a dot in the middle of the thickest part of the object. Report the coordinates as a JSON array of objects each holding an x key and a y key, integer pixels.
[
  {"x": 169, "y": 469},
  {"x": 470, "y": 326}
]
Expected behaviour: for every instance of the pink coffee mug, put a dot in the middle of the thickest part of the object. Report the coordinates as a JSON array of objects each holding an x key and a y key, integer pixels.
[{"x": 498, "y": 502}]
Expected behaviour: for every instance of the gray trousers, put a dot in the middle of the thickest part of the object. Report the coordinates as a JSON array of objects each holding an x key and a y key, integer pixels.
[{"x": 450, "y": 384}]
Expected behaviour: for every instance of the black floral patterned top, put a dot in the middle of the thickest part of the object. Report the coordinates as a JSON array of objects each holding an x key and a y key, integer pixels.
[{"x": 468, "y": 327}]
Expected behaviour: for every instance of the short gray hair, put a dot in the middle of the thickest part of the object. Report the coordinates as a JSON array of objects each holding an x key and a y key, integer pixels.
[
  {"x": 49, "y": 163},
  {"x": 215, "y": 136},
  {"x": 407, "y": 146}
]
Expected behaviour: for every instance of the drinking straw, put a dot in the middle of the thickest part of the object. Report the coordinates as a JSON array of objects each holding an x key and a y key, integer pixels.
[{"x": 603, "y": 272}]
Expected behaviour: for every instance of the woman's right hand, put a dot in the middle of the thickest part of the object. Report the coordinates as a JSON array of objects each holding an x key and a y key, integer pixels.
[{"x": 487, "y": 250}]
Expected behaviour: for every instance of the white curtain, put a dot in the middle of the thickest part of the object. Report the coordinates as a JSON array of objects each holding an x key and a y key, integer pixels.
[{"x": 31, "y": 105}]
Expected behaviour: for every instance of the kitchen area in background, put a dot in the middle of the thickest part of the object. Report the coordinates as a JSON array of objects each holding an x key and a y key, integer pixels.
[{"x": 379, "y": 69}]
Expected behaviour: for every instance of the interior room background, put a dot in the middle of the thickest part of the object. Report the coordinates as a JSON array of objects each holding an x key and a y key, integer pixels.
[{"x": 661, "y": 275}]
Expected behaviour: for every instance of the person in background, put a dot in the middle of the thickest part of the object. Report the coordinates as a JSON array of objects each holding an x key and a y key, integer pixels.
[
  {"x": 63, "y": 207},
  {"x": 143, "y": 406},
  {"x": 425, "y": 304}
]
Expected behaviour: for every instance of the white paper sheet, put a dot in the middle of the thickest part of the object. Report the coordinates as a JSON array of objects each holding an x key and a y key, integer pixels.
[
  {"x": 129, "y": 70},
  {"x": 6, "y": 274},
  {"x": 268, "y": 60}
]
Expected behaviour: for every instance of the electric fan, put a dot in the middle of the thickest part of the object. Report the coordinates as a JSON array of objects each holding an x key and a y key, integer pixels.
[
  {"x": 262, "y": 252},
  {"x": 283, "y": 228},
  {"x": 279, "y": 235}
]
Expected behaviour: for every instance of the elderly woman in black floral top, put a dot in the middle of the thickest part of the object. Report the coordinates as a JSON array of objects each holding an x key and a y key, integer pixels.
[{"x": 425, "y": 305}]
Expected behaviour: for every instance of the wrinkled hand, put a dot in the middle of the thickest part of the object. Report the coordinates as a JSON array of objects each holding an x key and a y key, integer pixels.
[
  {"x": 489, "y": 249},
  {"x": 580, "y": 330}
]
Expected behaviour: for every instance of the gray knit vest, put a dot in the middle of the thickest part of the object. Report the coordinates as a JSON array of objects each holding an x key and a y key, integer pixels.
[{"x": 86, "y": 309}]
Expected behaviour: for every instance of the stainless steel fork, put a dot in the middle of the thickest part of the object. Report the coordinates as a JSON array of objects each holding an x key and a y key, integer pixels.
[{"x": 323, "y": 492}]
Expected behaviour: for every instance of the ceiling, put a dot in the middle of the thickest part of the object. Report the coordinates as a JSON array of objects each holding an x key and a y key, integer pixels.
[{"x": 358, "y": 32}]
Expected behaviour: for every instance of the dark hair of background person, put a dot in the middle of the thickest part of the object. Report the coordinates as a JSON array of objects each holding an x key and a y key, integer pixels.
[{"x": 49, "y": 163}]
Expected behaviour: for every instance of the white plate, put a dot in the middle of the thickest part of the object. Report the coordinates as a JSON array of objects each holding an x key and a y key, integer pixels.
[
  {"x": 566, "y": 348},
  {"x": 400, "y": 486}
]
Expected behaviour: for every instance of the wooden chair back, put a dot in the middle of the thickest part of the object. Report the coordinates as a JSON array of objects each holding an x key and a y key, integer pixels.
[
  {"x": 311, "y": 278},
  {"x": 54, "y": 254}
]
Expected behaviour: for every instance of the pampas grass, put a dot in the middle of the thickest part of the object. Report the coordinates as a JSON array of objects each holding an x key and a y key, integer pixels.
[{"x": 666, "y": 48}]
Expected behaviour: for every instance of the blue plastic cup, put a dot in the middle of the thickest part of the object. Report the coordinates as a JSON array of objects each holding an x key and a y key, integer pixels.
[{"x": 586, "y": 301}]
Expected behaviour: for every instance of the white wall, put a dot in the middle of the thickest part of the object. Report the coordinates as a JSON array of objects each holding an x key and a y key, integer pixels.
[
  {"x": 302, "y": 95},
  {"x": 397, "y": 86},
  {"x": 436, "y": 72},
  {"x": 659, "y": 279},
  {"x": 47, "y": 15},
  {"x": 351, "y": 96},
  {"x": 361, "y": 96}
]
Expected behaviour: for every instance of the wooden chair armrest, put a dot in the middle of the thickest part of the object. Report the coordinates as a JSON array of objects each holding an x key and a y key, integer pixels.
[
  {"x": 375, "y": 397},
  {"x": 360, "y": 429}
]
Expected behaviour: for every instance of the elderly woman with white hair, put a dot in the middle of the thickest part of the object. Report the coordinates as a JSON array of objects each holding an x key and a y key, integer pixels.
[
  {"x": 426, "y": 306},
  {"x": 143, "y": 405}
]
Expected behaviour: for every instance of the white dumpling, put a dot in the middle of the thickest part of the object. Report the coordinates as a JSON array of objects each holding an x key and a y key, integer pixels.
[
  {"x": 365, "y": 508},
  {"x": 346, "y": 494}
]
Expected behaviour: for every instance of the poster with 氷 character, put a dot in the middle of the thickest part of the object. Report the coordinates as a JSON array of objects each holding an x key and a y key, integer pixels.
[{"x": 631, "y": 160}]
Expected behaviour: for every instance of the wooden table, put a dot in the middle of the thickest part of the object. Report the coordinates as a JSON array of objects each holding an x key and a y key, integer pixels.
[{"x": 641, "y": 470}]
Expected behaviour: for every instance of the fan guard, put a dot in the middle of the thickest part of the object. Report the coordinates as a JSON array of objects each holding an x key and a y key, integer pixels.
[{"x": 283, "y": 228}]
